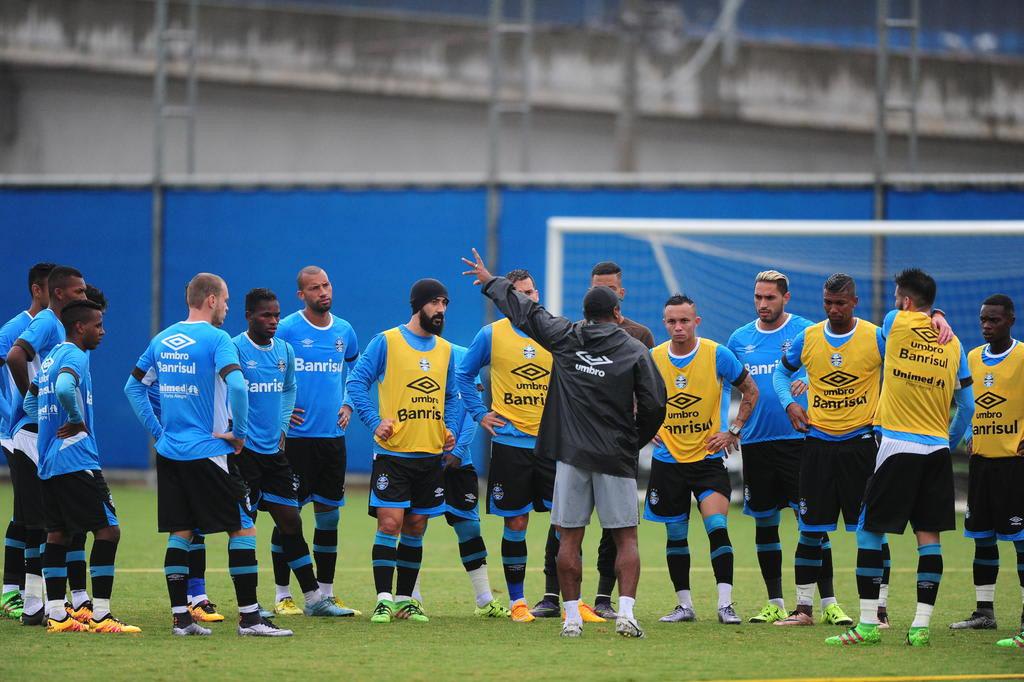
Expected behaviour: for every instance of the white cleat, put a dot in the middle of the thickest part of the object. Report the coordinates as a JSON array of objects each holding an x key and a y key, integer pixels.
[
  {"x": 263, "y": 628},
  {"x": 572, "y": 629},
  {"x": 628, "y": 627},
  {"x": 192, "y": 629}
]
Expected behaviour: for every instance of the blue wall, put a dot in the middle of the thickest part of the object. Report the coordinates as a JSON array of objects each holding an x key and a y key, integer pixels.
[{"x": 373, "y": 243}]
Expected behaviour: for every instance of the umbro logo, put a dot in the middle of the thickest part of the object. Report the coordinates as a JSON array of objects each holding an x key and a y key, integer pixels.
[
  {"x": 178, "y": 341},
  {"x": 682, "y": 401},
  {"x": 307, "y": 343},
  {"x": 438, "y": 492},
  {"x": 424, "y": 385},
  {"x": 251, "y": 364},
  {"x": 839, "y": 378},
  {"x": 988, "y": 400},
  {"x": 927, "y": 334},
  {"x": 593, "y": 360},
  {"x": 530, "y": 372}
]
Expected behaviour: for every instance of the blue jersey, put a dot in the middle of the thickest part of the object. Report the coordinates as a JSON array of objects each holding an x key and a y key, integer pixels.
[
  {"x": 322, "y": 356},
  {"x": 467, "y": 432},
  {"x": 9, "y": 393},
  {"x": 187, "y": 360},
  {"x": 65, "y": 455},
  {"x": 269, "y": 373},
  {"x": 44, "y": 333},
  {"x": 760, "y": 352}
]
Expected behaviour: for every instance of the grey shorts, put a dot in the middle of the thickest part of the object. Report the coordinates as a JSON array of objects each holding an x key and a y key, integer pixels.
[{"x": 578, "y": 492}]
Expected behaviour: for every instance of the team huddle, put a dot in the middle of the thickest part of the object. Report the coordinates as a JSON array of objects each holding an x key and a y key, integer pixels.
[{"x": 841, "y": 419}]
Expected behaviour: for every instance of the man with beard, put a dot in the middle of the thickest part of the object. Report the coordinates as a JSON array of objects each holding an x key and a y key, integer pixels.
[
  {"x": 325, "y": 350},
  {"x": 418, "y": 415}
]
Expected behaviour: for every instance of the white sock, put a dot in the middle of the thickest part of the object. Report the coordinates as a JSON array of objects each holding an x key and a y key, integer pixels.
[
  {"x": 100, "y": 609},
  {"x": 869, "y": 611},
  {"x": 385, "y": 596},
  {"x": 985, "y": 592},
  {"x": 572, "y": 611},
  {"x": 805, "y": 595},
  {"x": 724, "y": 595},
  {"x": 684, "y": 598},
  {"x": 827, "y": 602},
  {"x": 481, "y": 585},
  {"x": 923, "y": 617},
  {"x": 511, "y": 604},
  {"x": 402, "y": 597},
  {"x": 313, "y": 597},
  {"x": 626, "y": 606},
  {"x": 55, "y": 609},
  {"x": 249, "y": 608},
  {"x": 781, "y": 603},
  {"x": 282, "y": 592},
  {"x": 79, "y": 597},
  {"x": 416, "y": 594},
  {"x": 327, "y": 589},
  {"x": 11, "y": 588},
  {"x": 198, "y": 599},
  {"x": 33, "y": 590},
  {"x": 883, "y": 595},
  {"x": 179, "y": 609}
]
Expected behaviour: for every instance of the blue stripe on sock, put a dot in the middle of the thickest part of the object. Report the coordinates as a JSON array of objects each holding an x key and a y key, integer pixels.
[
  {"x": 55, "y": 572},
  {"x": 415, "y": 565},
  {"x": 243, "y": 570},
  {"x": 826, "y": 545},
  {"x": 177, "y": 542},
  {"x": 866, "y": 539},
  {"x": 467, "y": 530},
  {"x": 15, "y": 544},
  {"x": 986, "y": 562},
  {"x": 771, "y": 547},
  {"x": 474, "y": 557},
  {"x": 516, "y": 591},
  {"x": 242, "y": 542},
  {"x": 513, "y": 560},
  {"x": 715, "y": 522},
  {"x": 869, "y": 572},
  {"x": 101, "y": 571},
  {"x": 702, "y": 495},
  {"x": 930, "y": 550},
  {"x": 77, "y": 555},
  {"x": 809, "y": 541},
  {"x": 929, "y": 577},
  {"x": 765, "y": 519},
  {"x": 327, "y": 520},
  {"x": 725, "y": 549},
  {"x": 677, "y": 530},
  {"x": 277, "y": 549},
  {"x": 513, "y": 535},
  {"x": 800, "y": 561},
  {"x": 385, "y": 539},
  {"x": 411, "y": 540},
  {"x": 677, "y": 551},
  {"x": 304, "y": 560},
  {"x": 175, "y": 570},
  {"x": 32, "y": 553},
  {"x": 387, "y": 563},
  {"x": 325, "y": 549}
]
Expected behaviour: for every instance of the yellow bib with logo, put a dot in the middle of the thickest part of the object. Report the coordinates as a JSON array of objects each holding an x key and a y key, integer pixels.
[
  {"x": 843, "y": 381},
  {"x": 694, "y": 409},
  {"x": 920, "y": 377},
  {"x": 520, "y": 373},
  {"x": 998, "y": 403},
  {"x": 412, "y": 394}
]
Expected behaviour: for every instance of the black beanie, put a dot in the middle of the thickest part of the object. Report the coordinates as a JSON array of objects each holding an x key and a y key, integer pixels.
[
  {"x": 600, "y": 302},
  {"x": 424, "y": 291}
]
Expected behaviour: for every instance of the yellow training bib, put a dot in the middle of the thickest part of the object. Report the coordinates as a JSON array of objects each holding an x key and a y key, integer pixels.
[
  {"x": 694, "y": 409},
  {"x": 843, "y": 381},
  {"x": 998, "y": 403},
  {"x": 412, "y": 394},
  {"x": 520, "y": 373},
  {"x": 920, "y": 377}
]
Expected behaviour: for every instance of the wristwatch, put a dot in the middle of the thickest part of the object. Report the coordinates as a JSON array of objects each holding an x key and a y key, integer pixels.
[{"x": 735, "y": 430}]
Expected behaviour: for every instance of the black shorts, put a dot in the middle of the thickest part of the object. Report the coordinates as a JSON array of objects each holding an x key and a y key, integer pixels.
[
  {"x": 671, "y": 484},
  {"x": 28, "y": 489},
  {"x": 518, "y": 481},
  {"x": 320, "y": 465},
  {"x": 995, "y": 498},
  {"x": 771, "y": 476},
  {"x": 833, "y": 476},
  {"x": 910, "y": 488},
  {"x": 413, "y": 483},
  {"x": 461, "y": 492},
  {"x": 269, "y": 479},
  {"x": 78, "y": 502},
  {"x": 205, "y": 495}
]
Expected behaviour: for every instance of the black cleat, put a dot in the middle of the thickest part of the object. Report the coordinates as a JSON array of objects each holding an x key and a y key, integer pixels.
[
  {"x": 37, "y": 618},
  {"x": 547, "y": 608}
]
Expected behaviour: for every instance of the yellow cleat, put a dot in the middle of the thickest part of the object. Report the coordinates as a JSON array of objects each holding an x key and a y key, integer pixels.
[
  {"x": 110, "y": 625},
  {"x": 287, "y": 607},
  {"x": 588, "y": 615},
  {"x": 206, "y": 612},
  {"x": 521, "y": 613},
  {"x": 83, "y": 614},
  {"x": 341, "y": 605},
  {"x": 69, "y": 624}
]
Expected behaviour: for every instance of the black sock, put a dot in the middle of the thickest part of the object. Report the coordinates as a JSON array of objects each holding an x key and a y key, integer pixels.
[
  {"x": 886, "y": 568},
  {"x": 721, "y": 548},
  {"x": 869, "y": 564},
  {"x": 35, "y": 538},
  {"x": 551, "y": 589},
  {"x": 606, "y": 554},
  {"x": 295, "y": 555},
  {"x": 929, "y": 573},
  {"x": 176, "y": 574},
  {"x": 325, "y": 545},
  {"x": 513, "y": 562},
  {"x": 807, "y": 561},
  {"x": 383, "y": 557},
  {"x": 101, "y": 568},
  {"x": 55, "y": 571},
  {"x": 76, "y": 563},
  {"x": 472, "y": 549},
  {"x": 282, "y": 572},
  {"x": 243, "y": 569},
  {"x": 825, "y": 587},
  {"x": 986, "y": 566},
  {"x": 14, "y": 555},
  {"x": 408, "y": 558},
  {"x": 769, "y": 553},
  {"x": 197, "y": 565},
  {"x": 677, "y": 554}
]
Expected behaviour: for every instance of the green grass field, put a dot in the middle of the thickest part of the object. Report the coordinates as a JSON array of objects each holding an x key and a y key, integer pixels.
[{"x": 455, "y": 644}]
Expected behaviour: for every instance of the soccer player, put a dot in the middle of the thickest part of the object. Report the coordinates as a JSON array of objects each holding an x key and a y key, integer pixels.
[
  {"x": 415, "y": 423},
  {"x": 198, "y": 485},
  {"x": 43, "y": 333},
  {"x": 11, "y": 599},
  {"x": 689, "y": 451},
  {"x": 75, "y": 495},
  {"x": 268, "y": 365},
  {"x": 913, "y": 476},
  {"x": 771, "y": 446},
  {"x": 995, "y": 490},
  {"x": 842, "y": 357},
  {"x": 518, "y": 480},
  {"x": 325, "y": 349}
]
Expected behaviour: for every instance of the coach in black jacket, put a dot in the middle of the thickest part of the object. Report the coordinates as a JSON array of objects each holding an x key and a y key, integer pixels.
[{"x": 606, "y": 400}]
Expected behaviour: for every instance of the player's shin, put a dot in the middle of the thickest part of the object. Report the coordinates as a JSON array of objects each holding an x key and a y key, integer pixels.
[
  {"x": 55, "y": 574},
  {"x": 769, "y": 555},
  {"x": 721, "y": 556},
  {"x": 869, "y": 574},
  {"x": 176, "y": 574},
  {"x": 513, "y": 561},
  {"x": 76, "y": 570},
  {"x": 325, "y": 548},
  {"x": 408, "y": 558},
  {"x": 244, "y": 574},
  {"x": 929, "y": 575},
  {"x": 101, "y": 571},
  {"x": 383, "y": 558}
]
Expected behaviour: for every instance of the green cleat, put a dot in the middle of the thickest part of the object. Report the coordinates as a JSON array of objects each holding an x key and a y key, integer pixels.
[
  {"x": 384, "y": 611},
  {"x": 411, "y": 609},
  {"x": 862, "y": 634},
  {"x": 769, "y": 614},
  {"x": 1015, "y": 642},
  {"x": 12, "y": 605},
  {"x": 834, "y": 615},
  {"x": 918, "y": 637},
  {"x": 492, "y": 610}
]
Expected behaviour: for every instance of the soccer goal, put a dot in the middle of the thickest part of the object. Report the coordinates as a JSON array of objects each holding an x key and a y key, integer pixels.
[{"x": 715, "y": 261}]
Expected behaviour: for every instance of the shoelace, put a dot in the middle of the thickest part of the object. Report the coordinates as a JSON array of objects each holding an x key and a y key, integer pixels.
[
  {"x": 381, "y": 609},
  {"x": 413, "y": 609},
  {"x": 207, "y": 607}
]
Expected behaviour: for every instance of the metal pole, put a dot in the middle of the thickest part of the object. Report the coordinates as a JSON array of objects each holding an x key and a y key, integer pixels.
[
  {"x": 625, "y": 123},
  {"x": 191, "y": 92},
  {"x": 915, "y": 86},
  {"x": 881, "y": 154},
  {"x": 493, "y": 147},
  {"x": 157, "y": 216},
  {"x": 526, "y": 54}
]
